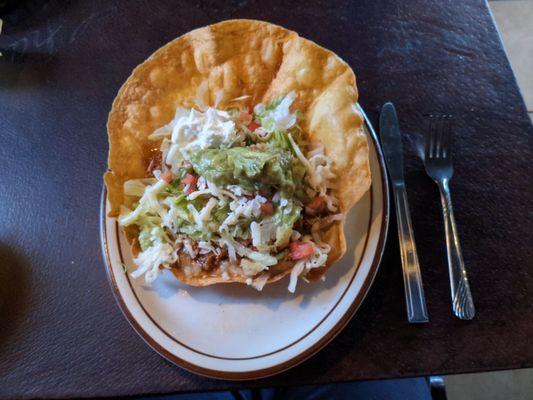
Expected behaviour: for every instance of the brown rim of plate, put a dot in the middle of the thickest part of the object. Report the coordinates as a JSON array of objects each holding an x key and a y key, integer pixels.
[{"x": 298, "y": 359}]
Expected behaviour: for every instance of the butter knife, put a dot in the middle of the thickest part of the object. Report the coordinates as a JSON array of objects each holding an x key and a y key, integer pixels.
[{"x": 391, "y": 142}]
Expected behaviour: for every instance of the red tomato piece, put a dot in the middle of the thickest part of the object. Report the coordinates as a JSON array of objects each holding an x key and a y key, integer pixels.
[
  {"x": 316, "y": 202},
  {"x": 300, "y": 250},
  {"x": 253, "y": 126},
  {"x": 191, "y": 180}
]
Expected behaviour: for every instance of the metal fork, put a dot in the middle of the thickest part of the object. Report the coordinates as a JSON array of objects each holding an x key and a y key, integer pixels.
[{"x": 438, "y": 164}]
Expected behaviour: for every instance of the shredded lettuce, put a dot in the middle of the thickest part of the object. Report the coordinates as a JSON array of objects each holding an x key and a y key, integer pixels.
[
  {"x": 219, "y": 214},
  {"x": 135, "y": 187},
  {"x": 264, "y": 259},
  {"x": 280, "y": 140},
  {"x": 251, "y": 268},
  {"x": 150, "y": 235},
  {"x": 277, "y": 116},
  {"x": 184, "y": 219},
  {"x": 149, "y": 206},
  {"x": 284, "y": 219}
]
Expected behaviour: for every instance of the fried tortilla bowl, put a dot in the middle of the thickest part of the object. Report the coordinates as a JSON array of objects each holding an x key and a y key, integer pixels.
[{"x": 239, "y": 63}]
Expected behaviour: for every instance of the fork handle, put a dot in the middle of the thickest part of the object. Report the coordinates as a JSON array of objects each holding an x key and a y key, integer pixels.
[
  {"x": 462, "y": 302},
  {"x": 414, "y": 291}
]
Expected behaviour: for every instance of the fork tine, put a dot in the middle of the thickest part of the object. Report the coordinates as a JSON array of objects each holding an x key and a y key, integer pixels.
[
  {"x": 444, "y": 136},
  {"x": 438, "y": 138},
  {"x": 428, "y": 147},
  {"x": 447, "y": 136},
  {"x": 432, "y": 136}
]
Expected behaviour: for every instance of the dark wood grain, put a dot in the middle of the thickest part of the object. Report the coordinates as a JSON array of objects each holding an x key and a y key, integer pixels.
[{"x": 61, "y": 333}]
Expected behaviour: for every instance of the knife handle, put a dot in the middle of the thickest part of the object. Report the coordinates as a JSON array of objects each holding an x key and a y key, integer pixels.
[{"x": 414, "y": 291}]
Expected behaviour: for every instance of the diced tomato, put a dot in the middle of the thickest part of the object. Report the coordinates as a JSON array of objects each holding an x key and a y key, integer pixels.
[
  {"x": 167, "y": 176},
  {"x": 316, "y": 202},
  {"x": 245, "y": 117},
  {"x": 191, "y": 180},
  {"x": 300, "y": 250},
  {"x": 253, "y": 126},
  {"x": 267, "y": 208}
]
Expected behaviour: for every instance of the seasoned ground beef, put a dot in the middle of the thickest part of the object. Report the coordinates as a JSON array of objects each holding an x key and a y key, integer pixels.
[
  {"x": 154, "y": 163},
  {"x": 211, "y": 260}
]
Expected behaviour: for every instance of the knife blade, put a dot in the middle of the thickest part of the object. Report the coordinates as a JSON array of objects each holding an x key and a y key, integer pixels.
[{"x": 391, "y": 143}]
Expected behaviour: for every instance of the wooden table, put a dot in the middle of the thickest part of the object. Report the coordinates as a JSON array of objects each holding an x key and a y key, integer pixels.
[{"x": 61, "y": 333}]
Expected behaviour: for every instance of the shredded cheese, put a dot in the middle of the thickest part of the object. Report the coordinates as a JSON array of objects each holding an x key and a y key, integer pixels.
[
  {"x": 149, "y": 261},
  {"x": 205, "y": 214}
]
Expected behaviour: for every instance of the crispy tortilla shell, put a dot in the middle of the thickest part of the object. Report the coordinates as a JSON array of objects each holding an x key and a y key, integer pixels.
[{"x": 214, "y": 65}]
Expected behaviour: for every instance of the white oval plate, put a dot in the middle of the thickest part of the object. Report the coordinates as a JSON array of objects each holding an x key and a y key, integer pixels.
[{"x": 232, "y": 331}]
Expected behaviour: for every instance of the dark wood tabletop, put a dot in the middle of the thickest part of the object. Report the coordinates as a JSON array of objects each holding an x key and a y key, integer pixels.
[{"x": 61, "y": 332}]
